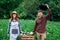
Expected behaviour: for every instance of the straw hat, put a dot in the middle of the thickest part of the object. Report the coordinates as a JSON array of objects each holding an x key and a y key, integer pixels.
[{"x": 14, "y": 12}]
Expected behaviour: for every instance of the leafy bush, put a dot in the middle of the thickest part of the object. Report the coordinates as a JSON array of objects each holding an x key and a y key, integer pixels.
[{"x": 52, "y": 29}]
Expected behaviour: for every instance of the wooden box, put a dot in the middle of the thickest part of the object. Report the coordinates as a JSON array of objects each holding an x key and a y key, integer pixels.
[{"x": 27, "y": 37}]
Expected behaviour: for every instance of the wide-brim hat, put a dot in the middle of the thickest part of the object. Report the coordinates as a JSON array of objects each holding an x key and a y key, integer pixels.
[
  {"x": 13, "y": 12},
  {"x": 43, "y": 7}
]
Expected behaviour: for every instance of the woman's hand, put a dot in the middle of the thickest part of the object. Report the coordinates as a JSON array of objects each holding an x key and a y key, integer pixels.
[
  {"x": 21, "y": 34},
  {"x": 8, "y": 35}
]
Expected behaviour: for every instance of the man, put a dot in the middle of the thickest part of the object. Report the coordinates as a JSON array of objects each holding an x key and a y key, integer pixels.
[{"x": 40, "y": 24}]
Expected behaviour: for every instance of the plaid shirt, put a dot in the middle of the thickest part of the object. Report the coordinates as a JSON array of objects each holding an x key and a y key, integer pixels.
[{"x": 40, "y": 23}]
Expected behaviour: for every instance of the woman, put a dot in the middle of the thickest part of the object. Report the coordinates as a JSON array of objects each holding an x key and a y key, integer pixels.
[{"x": 14, "y": 26}]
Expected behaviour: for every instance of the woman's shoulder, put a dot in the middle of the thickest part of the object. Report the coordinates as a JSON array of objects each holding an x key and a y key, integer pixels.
[
  {"x": 18, "y": 19},
  {"x": 10, "y": 20}
]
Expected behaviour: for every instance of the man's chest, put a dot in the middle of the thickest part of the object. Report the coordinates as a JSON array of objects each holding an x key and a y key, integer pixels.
[{"x": 41, "y": 21}]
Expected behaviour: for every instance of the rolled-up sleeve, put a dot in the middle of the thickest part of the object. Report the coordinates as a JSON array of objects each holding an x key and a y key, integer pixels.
[{"x": 49, "y": 13}]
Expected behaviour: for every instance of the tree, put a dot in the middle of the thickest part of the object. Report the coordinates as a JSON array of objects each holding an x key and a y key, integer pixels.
[{"x": 6, "y": 6}]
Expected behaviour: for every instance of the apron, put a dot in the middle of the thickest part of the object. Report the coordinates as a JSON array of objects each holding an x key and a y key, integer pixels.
[{"x": 14, "y": 29}]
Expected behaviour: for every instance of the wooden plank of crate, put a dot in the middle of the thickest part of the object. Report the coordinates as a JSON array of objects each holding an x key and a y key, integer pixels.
[{"x": 25, "y": 37}]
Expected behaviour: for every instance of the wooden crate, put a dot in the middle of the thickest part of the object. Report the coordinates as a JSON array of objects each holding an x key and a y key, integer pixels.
[{"x": 26, "y": 37}]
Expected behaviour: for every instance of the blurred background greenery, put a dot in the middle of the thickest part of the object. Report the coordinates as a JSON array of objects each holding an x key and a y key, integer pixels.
[{"x": 27, "y": 9}]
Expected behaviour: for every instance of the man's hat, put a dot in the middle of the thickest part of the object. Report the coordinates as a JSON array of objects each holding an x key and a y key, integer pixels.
[{"x": 43, "y": 7}]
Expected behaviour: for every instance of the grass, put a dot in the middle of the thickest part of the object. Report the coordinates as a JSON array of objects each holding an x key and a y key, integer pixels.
[{"x": 52, "y": 29}]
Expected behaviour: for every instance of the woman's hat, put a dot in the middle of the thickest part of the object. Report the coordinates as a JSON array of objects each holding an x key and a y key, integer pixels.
[{"x": 14, "y": 12}]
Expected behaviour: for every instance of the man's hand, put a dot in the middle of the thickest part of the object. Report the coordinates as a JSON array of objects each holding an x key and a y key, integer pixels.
[
  {"x": 31, "y": 33},
  {"x": 47, "y": 6}
]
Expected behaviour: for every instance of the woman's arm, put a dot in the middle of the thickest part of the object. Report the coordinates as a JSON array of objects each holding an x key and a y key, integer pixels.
[
  {"x": 9, "y": 27},
  {"x": 20, "y": 30}
]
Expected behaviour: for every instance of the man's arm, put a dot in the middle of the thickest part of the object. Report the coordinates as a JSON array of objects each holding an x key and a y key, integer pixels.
[
  {"x": 49, "y": 11},
  {"x": 35, "y": 26}
]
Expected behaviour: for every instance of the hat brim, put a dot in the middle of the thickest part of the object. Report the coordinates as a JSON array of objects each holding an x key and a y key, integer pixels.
[{"x": 43, "y": 7}]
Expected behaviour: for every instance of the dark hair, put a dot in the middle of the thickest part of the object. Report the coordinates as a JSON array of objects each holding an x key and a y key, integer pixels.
[
  {"x": 12, "y": 16},
  {"x": 39, "y": 11}
]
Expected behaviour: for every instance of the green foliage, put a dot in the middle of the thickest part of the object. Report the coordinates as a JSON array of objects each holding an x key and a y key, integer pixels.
[
  {"x": 6, "y": 6},
  {"x": 27, "y": 9},
  {"x": 52, "y": 31}
]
